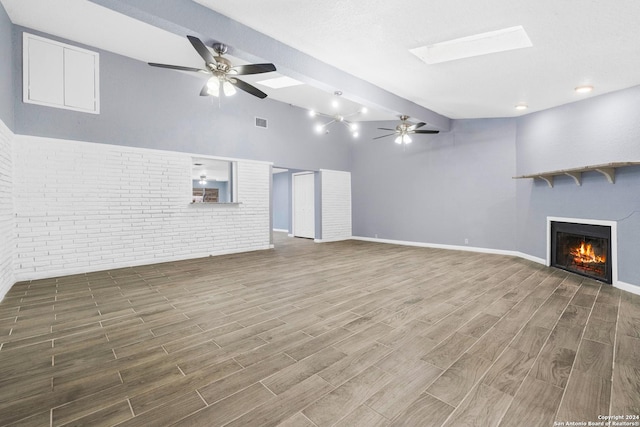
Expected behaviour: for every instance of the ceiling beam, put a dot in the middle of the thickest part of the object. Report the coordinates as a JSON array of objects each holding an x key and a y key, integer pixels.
[{"x": 186, "y": 17}]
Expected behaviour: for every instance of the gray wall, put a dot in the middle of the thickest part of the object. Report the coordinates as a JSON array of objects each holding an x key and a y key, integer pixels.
[
  {"x": 282, "y": 201},
  {"x": 149, "y": 107},
  {"x": 599, "y": 130},
  {"x": 441, "y": 189},
  {"x": 445, "y": 188},
  {"x": 6, "y": 70}
]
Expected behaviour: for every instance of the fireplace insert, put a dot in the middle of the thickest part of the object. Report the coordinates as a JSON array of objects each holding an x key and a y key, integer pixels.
[{"x": 584, "y": 249}]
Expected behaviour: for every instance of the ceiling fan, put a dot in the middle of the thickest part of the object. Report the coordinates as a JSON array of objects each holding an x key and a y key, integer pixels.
[
  {"x": 223, "y": 78},
  {"x": 404, "y": 129}
]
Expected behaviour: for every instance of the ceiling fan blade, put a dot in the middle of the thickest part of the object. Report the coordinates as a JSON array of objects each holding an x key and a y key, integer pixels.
[
  {"x": 247, "y": 88},
  {"x": 253, "y": 69},
  {"x": 416, "y": 126},
  {"x": 384, "y": 136},
  {"x": 386, "y": 129},
  {"x": 425, "y": 131},
  {"x": 178, "y": 67},
  {"x": 202, "y": 50}
]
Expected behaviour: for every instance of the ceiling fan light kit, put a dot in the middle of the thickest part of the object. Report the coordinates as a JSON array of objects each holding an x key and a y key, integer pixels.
[
  {"x": 403, "y": 139},
  {"x": 213, "y": 87},
  {"x": 222, "y": 80}
]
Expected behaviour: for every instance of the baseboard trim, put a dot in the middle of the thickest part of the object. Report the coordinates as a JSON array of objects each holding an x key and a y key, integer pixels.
[
  {"x": 619, "y": 284},
  {"x": 36, "y": 275},
  {"x": 281, "y": 230},
  {"x": 627, "y": 287},
  {"x": 6, "y": 288},
  {"x": 338, "y": 239},
  {"x": 439, "y": 246},
  {"x": 531, "y": 258}
]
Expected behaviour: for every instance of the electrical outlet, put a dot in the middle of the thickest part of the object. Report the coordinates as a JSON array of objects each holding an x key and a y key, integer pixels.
[
  {"x": 375, "y": 235},
  {"x": 466, "y": 241}
]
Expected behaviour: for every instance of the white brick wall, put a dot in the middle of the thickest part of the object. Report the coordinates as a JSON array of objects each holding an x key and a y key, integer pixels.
[
  {"x": 336, "y": 205},
  {"x": 7, "y": 225},
  {"x": 83, "y": 207}
]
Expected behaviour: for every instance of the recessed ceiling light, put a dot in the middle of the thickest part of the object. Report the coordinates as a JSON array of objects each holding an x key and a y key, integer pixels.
[
  {"x": 335, "y": 103},
  {"x": 280, "y": 82},
  {"x": 584, "y": 89},
  {"x": 522, "y": 107},
  {"x": 476, "y": 45}
]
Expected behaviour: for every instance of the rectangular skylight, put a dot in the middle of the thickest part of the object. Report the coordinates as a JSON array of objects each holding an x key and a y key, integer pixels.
[
  {"x": 476, "y": 45},
  {"x": 280, "y": 82}
]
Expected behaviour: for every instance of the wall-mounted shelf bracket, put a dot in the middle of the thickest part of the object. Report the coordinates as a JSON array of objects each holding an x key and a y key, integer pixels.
[
  {"x": 609, "y": 173},
  {"x": 608, "y": 170},
  {"x": 577, "y": 177},
  {"x": 547, "y": 178}
]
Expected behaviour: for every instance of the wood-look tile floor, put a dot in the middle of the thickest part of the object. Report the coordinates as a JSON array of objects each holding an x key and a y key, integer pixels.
[{"x": 347, "y": 334}]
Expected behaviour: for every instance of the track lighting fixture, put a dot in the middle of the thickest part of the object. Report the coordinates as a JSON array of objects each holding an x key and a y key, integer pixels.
[{"x": 337, "y": 118}]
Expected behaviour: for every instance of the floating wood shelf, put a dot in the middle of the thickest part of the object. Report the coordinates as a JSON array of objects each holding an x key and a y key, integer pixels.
[{"x": 608, "y": 170}]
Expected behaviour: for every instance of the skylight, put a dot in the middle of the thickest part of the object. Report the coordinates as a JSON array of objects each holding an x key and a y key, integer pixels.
[
  {"x": 476, "y": 45},
  {"x": 280, "y": 82}
]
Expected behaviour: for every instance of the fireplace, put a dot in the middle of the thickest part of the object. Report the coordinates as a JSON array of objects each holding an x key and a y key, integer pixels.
[{"x": 582, "y": 248}]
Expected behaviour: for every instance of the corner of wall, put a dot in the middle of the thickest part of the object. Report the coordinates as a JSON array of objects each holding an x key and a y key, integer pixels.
[
  {"x": 7, "y": 222},
  {"x": 335, "y": 205},
  {"x": 567, "y": 137}
]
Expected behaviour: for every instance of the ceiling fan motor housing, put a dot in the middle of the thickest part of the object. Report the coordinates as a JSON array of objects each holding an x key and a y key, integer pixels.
[{"x": 220, "y": 48}]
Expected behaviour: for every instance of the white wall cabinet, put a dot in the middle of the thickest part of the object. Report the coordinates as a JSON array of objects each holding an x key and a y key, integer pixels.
[{"x": 59, "y": 75}]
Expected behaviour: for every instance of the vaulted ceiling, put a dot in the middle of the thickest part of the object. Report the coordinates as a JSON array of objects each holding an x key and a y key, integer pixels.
[{"x": 362, "y": 47}]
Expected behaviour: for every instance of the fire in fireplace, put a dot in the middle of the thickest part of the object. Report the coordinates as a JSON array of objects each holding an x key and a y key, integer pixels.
[{"x": 582, "y": 248}]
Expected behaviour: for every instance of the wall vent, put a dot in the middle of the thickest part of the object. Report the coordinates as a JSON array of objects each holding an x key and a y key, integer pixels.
[{"x": 261, "y": 123}]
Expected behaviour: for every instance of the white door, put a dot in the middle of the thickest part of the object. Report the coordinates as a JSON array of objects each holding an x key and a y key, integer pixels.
[{"x": 304, "y": 224}]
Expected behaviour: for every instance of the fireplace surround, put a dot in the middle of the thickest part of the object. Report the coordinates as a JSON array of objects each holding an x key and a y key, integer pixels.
[{"x": 584, "y": 247}]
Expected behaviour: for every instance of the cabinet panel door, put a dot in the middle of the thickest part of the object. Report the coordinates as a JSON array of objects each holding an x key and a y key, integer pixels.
[
  {"x": 79, "y": 80},
  {"x": 46, "y": 79}
]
